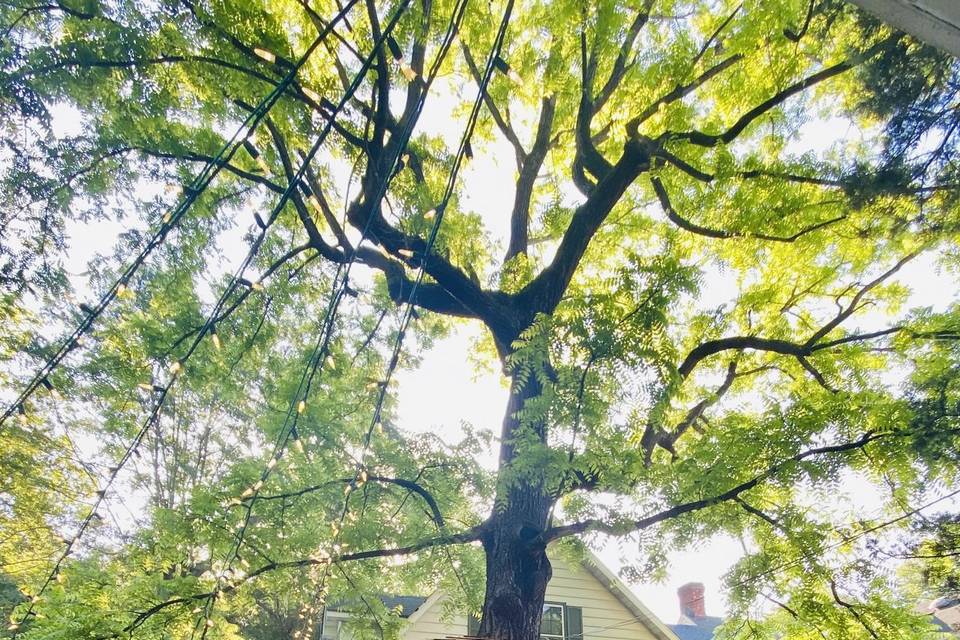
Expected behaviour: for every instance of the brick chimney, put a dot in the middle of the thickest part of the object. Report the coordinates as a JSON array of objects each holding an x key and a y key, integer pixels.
[{"x": 692, "y": 604}]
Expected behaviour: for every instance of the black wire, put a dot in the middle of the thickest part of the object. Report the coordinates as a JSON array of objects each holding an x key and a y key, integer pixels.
[
  {"x": 171, "y": 219},
  {"x": 451, "y": 184},
  {"x": 164, "y": 391}
]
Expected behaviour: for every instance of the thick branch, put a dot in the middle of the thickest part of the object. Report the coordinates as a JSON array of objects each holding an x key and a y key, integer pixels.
[
  {"x": 722, "y": 234},
  {"x": 594, "y": 524},
  {"x": 711, "y": 140},
  {"x": 529, "y": 170},
  {"x": 544, "y": 292}
]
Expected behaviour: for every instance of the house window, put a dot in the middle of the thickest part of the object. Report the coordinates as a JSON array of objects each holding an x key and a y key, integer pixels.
[{"x": 551, "y": 625}]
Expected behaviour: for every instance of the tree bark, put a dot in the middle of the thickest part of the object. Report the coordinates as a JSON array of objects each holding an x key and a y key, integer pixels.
[{"x": 517, "y": 568}]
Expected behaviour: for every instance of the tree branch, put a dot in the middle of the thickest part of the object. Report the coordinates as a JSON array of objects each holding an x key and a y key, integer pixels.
[
  {"x": 624, "y": 528},
  {"x": 711, "y": 140},
  {"x": 722, "y": 234},
  {"x": 410, "y": 485},
  {"x": 544, "y": 292},
  {"x": 529, "y": 170},
  {"x": 470, "y": 535},
  {"x": 619, "y": 69},
  {"x": 502, "y": 123}
]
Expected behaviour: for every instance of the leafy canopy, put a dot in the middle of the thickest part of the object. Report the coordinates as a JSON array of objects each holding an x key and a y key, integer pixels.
[{"x": 700, "y": 277}]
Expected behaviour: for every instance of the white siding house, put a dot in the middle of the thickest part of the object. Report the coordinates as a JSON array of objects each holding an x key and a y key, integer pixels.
[{"x": 583, "y": 602}]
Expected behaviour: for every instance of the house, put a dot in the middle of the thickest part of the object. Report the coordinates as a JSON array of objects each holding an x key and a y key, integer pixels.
[
  {"x": 946, "y": 613},
  {"x": 936, "y": 22},
  {"x": 584, "y": 601}
]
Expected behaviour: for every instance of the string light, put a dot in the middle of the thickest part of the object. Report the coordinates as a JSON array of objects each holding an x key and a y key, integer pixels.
[
  {"x": 269, "y": 56},
  {"x": 257, "y": 157},
  {"x": 310, "y": 93},
  {"x": 405, "y": 68},
  {"x": 50, "y": 388},
  {"x": 408, "y": 72},
  {"x": 175, "y": 367},
  {"x": 504, "y": 67},
  {"x": 301, "y": 406},
  {"x": 312, "y": 200},
  {"x": 406, "y": 253},
  {"x": 212, "y": 168},
  {"x": 430, "y": 215},
  {"x": 215, "y": 339}
]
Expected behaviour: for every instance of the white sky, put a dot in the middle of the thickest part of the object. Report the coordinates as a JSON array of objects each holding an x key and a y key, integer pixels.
[{"x": 446, "y": 392}]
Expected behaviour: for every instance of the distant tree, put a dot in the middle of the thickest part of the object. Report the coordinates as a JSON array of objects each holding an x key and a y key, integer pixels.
[{"x": 662, "y": 154}]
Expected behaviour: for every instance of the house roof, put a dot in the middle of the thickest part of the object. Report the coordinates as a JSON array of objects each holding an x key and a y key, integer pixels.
[
  {"x": 936, "y": 22},
  {"x": 627, "y": 598},
  {"x": 701, "y": 629}
]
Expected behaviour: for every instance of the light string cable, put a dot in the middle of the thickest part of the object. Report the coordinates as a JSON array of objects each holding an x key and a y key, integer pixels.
[
  {"x": 323, "y": 343},
  {"x": 206, "y": 329},
  {"x": 172, "y": 218},
  {"x": 360, "y": 473},
  {"x": 297, "y": 406}
]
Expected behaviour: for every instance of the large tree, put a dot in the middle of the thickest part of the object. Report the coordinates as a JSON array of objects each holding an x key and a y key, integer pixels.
[{"x": 696, "y": 303}]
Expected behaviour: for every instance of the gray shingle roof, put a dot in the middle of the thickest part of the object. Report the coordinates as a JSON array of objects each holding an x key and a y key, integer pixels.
[{"x": 702, "y": 629}]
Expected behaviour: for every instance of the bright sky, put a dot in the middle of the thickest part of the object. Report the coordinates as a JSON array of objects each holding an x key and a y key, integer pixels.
[{"x": 446, "y": 391}]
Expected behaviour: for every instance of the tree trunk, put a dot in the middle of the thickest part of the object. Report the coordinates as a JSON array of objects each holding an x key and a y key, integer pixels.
[{"x": 517, "y": 566}]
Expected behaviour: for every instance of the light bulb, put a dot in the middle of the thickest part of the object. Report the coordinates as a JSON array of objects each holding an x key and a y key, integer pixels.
[
  {"x": 301, "y": 406},
  {"x": 408, "y": 72},
  {"x": 269, "y": 56}
]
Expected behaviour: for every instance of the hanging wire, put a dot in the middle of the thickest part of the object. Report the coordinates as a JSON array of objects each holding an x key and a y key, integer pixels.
[
  {"x": 360, "y": 472},
  {"x": 177, "y": 368},
  {"x": 360, "y": 468},
  {"x": 172, "y": 218},
  {"x": 322, "y": 348}
]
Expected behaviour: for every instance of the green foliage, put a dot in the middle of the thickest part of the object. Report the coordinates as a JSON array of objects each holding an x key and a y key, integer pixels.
[{"x": 109, "y": 108}]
